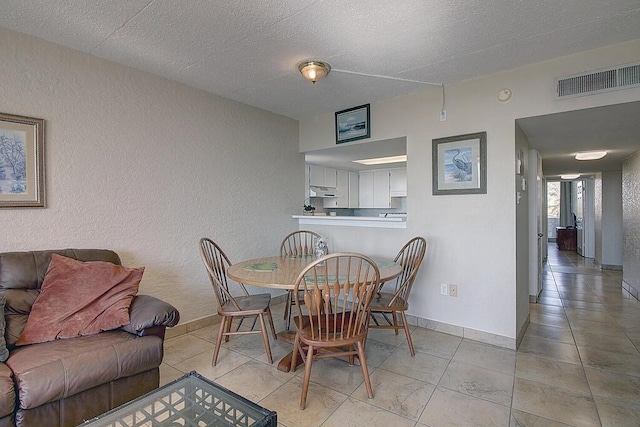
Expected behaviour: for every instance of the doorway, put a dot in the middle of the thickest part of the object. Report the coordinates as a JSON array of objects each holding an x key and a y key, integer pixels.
[{"x": 571, "y": 210}]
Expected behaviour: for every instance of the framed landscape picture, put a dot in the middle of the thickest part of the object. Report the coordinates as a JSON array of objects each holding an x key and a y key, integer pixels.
[
  {"x": 21, "y": 162},
  {"x": 460, "y": 164},
  {"x": 353, "y": 124}
]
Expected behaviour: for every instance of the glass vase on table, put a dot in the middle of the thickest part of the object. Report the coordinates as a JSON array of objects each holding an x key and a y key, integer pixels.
[{"x": 321, "y": 248}]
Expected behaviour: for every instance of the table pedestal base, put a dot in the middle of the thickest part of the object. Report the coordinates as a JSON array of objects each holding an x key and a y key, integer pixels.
[{"x": 284, "y": 365}]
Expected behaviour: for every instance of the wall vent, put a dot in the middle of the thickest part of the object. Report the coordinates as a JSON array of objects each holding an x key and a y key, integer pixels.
[{"x": 593, "y": 82}]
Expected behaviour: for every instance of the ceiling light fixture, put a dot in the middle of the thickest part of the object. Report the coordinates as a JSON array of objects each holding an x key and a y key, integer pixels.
[
  {"x": 313, "y": 70},
  {"x": 591, "y": 155},
  {"x": 570, "y": 176},
  {"x": 382, "y": 160}
]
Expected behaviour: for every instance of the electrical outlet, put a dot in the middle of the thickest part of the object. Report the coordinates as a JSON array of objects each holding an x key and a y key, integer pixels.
[
  {"x": 443, "y": 115},
  {"x": 453, "y": 290},
  {"x": 444, "y": 289}
]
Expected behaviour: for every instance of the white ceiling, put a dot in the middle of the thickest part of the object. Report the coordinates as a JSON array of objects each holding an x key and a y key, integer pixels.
[
  {"x": 558, "y": 137},
  {"x": 248, "y": 50}
]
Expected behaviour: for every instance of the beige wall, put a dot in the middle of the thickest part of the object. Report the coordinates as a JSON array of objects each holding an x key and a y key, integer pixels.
[
  {"x": 472, "y": 238},
  {"x": 631, "y": 223},
  {"x": 146, "y": 166},
  {"x": 522, "y": 230},
  {"x": 598, "y": 208},
  {"x": 608, "y": 219}
]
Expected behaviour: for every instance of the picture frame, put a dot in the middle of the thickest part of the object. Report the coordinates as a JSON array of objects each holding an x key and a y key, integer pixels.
[
  {"x": 353, "y": 124},
  {"x": 22, "y": 177},
  {"x": 460, "y": 164}
]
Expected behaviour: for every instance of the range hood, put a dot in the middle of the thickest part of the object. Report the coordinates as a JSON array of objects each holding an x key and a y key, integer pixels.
[{"x": 323, "y": 192}]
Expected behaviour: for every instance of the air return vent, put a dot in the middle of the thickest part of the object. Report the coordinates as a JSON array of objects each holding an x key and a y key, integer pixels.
[{"x": 616, "y": 78}]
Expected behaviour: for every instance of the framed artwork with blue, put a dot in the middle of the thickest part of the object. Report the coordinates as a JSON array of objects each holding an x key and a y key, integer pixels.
[
  {"x": 21, "y": 162},
  {"x": 460, "y": 164},
  {"x": 353, "y": 124}
]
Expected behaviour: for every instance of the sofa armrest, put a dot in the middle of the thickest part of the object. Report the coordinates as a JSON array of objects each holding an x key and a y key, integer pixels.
[{"x": 150, "y": 316}]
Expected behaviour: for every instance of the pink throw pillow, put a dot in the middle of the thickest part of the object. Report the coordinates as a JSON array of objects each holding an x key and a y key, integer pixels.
[{"x": 80, "y": 298}]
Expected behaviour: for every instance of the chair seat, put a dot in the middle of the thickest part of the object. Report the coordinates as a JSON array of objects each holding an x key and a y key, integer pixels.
[
  {"x": 333, "y": 325},
  {"x": 252, "y": 304},
  {"x": 230, "y": 307},
  {"x": 382, "y": 301}
]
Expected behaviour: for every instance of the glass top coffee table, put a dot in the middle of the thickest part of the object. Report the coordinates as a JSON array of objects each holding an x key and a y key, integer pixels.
[{"x": 191, "y": 400}]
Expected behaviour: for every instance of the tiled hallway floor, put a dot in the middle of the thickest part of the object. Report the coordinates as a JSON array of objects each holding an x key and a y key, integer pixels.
[{"x": 578, "y": 365}]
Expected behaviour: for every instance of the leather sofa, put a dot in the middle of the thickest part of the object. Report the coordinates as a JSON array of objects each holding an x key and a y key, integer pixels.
[{"x": 66, "y": 381}]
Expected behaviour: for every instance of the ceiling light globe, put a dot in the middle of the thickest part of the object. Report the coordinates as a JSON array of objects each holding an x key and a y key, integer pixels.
[
  {"x": 314, "y": 71},
  {"x": 591, "y": 155},
  {"x": 570, "y": 176}
]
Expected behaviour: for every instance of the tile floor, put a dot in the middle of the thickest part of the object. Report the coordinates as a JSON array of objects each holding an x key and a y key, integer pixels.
[{"x": 578, "y": 365}]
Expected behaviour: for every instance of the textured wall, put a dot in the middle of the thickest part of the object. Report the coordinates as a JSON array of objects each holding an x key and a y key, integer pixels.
[
  {"x": 146, "y": 166},
  {"x": 631, "y": 220},
  {"x": 597, "y": 181},
  {"x": 612, "y": 219}
]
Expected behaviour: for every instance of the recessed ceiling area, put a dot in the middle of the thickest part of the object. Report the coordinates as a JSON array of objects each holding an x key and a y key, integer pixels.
[
  {"x": 342, "y": 156},
  {"x": 558, "y": 137}
]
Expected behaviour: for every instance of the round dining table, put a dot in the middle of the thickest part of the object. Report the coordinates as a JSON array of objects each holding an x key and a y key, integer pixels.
[{"x": 281, "y": 272}]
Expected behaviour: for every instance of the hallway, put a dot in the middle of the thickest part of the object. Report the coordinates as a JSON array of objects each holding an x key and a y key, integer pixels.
[{"x": 579, "y": 361}]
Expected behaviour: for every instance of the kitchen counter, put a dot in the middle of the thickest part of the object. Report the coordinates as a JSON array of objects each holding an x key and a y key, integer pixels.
[{"x": 352, "y": 221}]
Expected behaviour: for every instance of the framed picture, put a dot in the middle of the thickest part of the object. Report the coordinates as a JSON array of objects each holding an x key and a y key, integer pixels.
[
  {"x": 460, "y": 164},
  {"x": 353, "y": 124},
  {"x": 21, "y": 162}
]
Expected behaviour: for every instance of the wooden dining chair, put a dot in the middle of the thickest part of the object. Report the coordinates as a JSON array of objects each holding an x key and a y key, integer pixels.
[
  {"x": 392, "y": 303},
  {"x": 229, "y": 306},
  {"x": 336, "y": 290},
  {"x": 301, "y": 244}
]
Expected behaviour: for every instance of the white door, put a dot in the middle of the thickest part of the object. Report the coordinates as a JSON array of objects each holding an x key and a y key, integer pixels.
[
  {"x": 589, "y": 218},
  {"x": 542, "y": 241},
  {"x": 537, "y": 238}
]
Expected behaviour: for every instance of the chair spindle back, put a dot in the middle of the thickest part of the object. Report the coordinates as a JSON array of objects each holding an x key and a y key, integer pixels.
[{"x": 337, "y": 292}]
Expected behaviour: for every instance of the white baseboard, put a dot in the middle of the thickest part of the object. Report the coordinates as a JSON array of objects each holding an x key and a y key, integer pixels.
[
  {"x": 461, "y": 331},
  {"x": 446, "y": 328}
]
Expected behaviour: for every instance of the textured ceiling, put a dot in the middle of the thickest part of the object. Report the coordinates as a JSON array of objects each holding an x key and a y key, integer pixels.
[{"x": 247, "y": 50}]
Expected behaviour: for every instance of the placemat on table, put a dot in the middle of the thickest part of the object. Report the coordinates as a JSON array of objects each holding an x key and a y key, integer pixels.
[{"x": 262, "y": 266}]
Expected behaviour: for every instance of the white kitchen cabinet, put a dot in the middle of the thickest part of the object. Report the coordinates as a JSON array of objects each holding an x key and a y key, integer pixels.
[
  {"x": 316, "y": 175},
  {"x": 374, "y": 189},
  {"x": 320, "y": 176},
  {"x": 330, "y": 177},
  {"x": 381, "y": 189},
  {"x": 365, "y": 194},
  {"x": 398, "y": 182},
  {"x": 354, "y": 187},
  {"x": 342, "y": 189}
]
